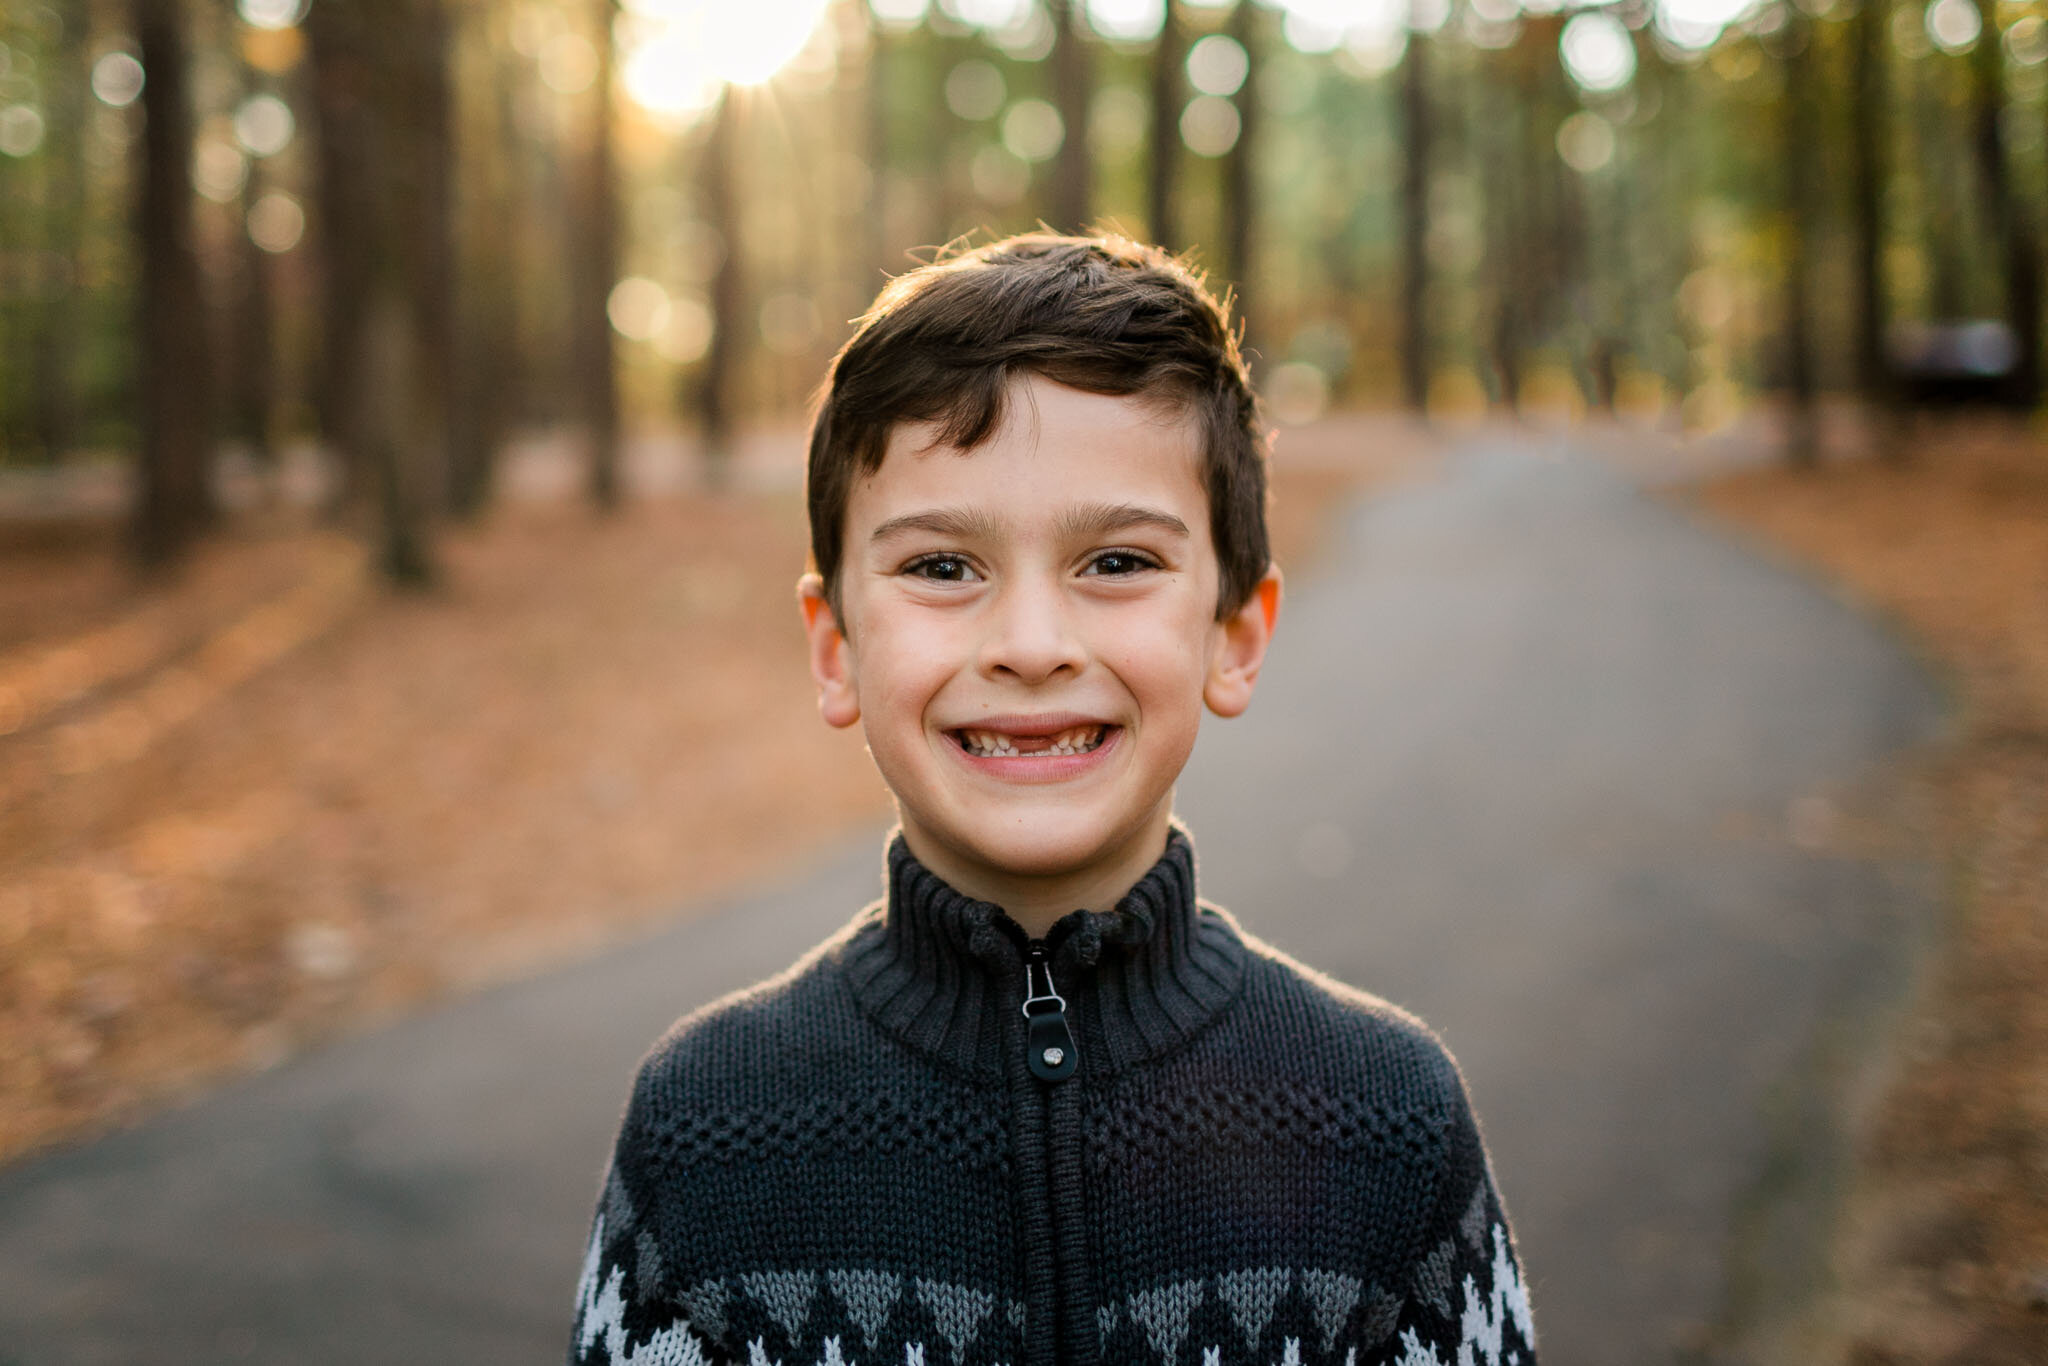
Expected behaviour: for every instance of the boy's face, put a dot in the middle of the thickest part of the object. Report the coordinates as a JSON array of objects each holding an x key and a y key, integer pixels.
[{"x": 1031, "y": 634}]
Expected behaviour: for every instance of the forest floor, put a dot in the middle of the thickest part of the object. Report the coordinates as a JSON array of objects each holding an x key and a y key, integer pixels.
[
  {"x": 269, "y": 801},
  {"x": 1940, "y": 1254}
]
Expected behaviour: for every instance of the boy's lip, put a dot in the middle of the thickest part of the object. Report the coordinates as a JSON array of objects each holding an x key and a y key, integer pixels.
[
  {"x": 1036, "y": 725},
  {"x": 1043, "y": 766}
]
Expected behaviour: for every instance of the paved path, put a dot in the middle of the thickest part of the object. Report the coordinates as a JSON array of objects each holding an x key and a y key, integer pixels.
[{"x": 1484, "y": 777}]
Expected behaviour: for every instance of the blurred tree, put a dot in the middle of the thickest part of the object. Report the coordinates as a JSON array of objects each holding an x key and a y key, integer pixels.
[
  {"x": 881, "y": 66},
  {"x": 594, "y": 265},
  {"x": 2008, "y": 218},
  {"x": 1073, "y": 90},
  {"x": 1162, "y": 165},
  {"x": 249, "y": 396},
  {"x": 343, "y": 79},
  {"x": 1417, "y": 129},
  {"x": 1503, "y": 137},
  {"x": 383, "y": 97},
  {"x": 488, "y": 336},
  {"x": 173, "y": 497},
  {"x": 719, "y": 192},
  {"x": 64, "y": 238},
  {"x": 251, "y": 390},
  {"x": 1799, "y": 163},
  {"x": 1240, "y": 197},
  {"x": 1870, "y": 116}
]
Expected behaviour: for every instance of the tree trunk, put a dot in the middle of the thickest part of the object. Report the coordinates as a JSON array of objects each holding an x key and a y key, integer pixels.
[
  {"x": 429, "y": 232},
  {"x": 1869, "y": 113},
  {"x": 1239, "y": 204},
  {"x": 344, "y": 81},
  {"x": 173, "y": 496},
  {"x": 381, "y": 66},
  {"x": 488, "y": 340},
  {"x": 2009, "y": 219},
  {"x": 1509, "y": 209},
  {"x": 1798, "y": 151},
  {"x": 252, "y": 389},
  {"x": 714, "y": 400},
  {"x": 56, "y": 349},
  {"x": 1169, "y": 55},
  {"x": 1416, "y": 129},
  {"x": 1073, "y": 172},
  {"x": 596, "y": 270},
  {"x": 883, "y": 256}
]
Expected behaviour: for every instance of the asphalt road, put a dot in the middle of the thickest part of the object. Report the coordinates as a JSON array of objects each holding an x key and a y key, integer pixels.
[{"x": 1522, "y": 761}]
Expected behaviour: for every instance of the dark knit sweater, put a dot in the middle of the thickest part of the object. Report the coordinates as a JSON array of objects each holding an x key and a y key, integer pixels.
[{"x": 1236, "y": 1159}]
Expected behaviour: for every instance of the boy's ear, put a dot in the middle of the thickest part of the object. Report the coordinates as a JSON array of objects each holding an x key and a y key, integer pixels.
[
  {"x": 831, "y": 666},
  {"x": 1247, "y": 632}
]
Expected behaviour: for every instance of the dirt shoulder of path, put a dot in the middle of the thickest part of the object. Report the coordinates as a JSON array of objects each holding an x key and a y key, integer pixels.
[
  {"x": 271, "y": 801},
  {"x": 1940, "y": 1251}
]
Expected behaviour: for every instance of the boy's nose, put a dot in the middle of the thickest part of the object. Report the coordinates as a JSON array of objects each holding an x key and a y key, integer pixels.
[{"x": 1031, "y": 636}]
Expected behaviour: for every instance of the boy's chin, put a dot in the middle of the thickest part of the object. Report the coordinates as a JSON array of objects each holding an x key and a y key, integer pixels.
[{"x": 1051, "y": 849}]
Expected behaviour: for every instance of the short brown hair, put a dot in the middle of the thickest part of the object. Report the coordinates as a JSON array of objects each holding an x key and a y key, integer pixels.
[{"x": 1103, "y": 314}]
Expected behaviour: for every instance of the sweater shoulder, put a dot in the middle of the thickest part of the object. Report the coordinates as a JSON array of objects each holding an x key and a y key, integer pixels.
[
  {"x": 1347, "y": 1040},
  {"x": 756, "y": 1042}
]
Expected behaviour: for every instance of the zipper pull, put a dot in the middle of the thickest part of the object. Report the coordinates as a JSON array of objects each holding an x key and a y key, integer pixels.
[{"x": 1048, "y": 1045}]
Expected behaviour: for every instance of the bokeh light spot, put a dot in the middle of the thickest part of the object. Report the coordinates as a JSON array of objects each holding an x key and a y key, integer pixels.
[
  {"x": 1217, "y": 65},
  {"x": 271, "y": 14},
  {"x": 264, "y": 125},
  {"x": 1117, "y": 121},
  {"x": 1954, "y": 25},
  {"x": 21, "y": 130},
  {"x": 117, "y": 79},
  {"x": 2026, "y": 42},
  {"x": 1210, "y": 125},
  {"x": 1586, "y": 142},
  {"x": 1032, "y": 130},
  {"x": 688, "y": 334},
  {"x": 1129, "y": 21},
  {"x": 975, "y": 90},
  {"x": 900, "y": 13},
  {"x": 219, "y": 169},
  {"x": 638, "y": 308},
  {"x": 998, "y": 176},
  {"x": 276, "y": 222},
  {"x": 1297, "y": 393},
  {"x": 568, "y": 63},
  {"x": 1597, "y": 52}
]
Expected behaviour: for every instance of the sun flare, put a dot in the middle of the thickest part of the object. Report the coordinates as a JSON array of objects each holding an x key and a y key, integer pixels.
[{"x": 678, "y": 54}]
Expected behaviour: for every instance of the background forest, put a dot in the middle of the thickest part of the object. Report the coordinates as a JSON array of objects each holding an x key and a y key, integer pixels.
[{"x": 402, "y": 231}]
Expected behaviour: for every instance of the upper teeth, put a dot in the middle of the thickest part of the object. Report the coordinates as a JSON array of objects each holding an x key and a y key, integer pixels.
[{"x": 996, "y": 744}]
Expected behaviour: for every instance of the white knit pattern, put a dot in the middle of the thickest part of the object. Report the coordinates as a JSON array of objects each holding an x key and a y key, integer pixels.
[
  {"x": 601, "y": 1314},
  {"x": 1163, "y": 1313}
]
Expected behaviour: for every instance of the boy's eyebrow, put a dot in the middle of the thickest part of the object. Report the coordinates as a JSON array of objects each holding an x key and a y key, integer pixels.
[
  {"x": 1099, "y": 519},
  {"x": 1092, "y": 519},
  {"x": 959, "y": 523}
]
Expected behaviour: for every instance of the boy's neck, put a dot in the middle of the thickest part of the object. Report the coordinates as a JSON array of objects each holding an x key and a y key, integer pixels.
[{"x": 1037, "y": 901}]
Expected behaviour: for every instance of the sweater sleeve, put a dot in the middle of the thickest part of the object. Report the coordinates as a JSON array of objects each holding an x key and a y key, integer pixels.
[
  {"x": 1467, "y": 1303},
  {"x": 626, "y": 1314}
]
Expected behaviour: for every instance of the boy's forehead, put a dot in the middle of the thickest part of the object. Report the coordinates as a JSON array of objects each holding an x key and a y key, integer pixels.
[{"x": 1051, "y": 441}]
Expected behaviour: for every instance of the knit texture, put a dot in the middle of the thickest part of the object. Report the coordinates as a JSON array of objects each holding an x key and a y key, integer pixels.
[{"x": 851, "y": 1164}]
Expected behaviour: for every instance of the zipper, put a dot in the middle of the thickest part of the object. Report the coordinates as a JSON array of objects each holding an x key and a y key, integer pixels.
[
  {"x": 1060, "y": 1329},
  {"x": 1048, "y": 1043}
]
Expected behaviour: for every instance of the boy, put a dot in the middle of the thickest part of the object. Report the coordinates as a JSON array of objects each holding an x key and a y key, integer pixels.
[{"x": 980, "y": 1125}]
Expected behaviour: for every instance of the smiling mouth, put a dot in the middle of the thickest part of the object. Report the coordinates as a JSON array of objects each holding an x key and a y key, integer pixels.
[{"x": 996, "y": 744}]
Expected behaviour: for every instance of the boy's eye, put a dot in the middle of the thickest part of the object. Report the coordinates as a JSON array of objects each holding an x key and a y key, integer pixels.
[
  {"x": 942, "y": 569},
  {"x": 1118, "y": 563}
]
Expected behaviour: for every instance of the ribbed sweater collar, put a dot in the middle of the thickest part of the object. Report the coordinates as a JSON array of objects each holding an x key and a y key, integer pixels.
[{"x": 945, "y": 972}]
